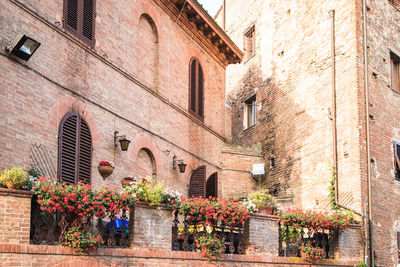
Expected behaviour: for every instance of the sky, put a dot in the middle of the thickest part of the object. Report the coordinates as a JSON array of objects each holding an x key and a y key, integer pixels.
[{"x": 211, "y": 6}]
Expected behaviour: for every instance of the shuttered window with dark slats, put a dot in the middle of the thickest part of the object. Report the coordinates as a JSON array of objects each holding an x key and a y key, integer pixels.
[
  {"x": 398, "y": 247},
  {"x": 74, "y": 150},
  {"x": 79, "y": 19},
  {"x": 212, "y": 186},
  {"x": 196, "y": 89},
  {"x": 197, "y": 184},
  {"x": 397, "y": 160}
]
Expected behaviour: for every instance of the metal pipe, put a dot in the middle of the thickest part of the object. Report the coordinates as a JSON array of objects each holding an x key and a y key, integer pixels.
[
  {"x": 367, "y": 133},
  {"x": 224, "y": 16},
  {"x": 334, "y": 123}
]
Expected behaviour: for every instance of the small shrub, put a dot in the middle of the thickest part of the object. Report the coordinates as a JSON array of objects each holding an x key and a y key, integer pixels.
[
  {"x": 312, "y": 253},
  {"x": 14, "y": 178},
  {"x": 262, "y": 199},
  {"x": 361, "y": 264},
  {"x": 81, "y": 241},
  {"x": 210, "y": 245}
]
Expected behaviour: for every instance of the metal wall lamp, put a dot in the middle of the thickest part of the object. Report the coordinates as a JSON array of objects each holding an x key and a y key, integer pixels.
[
  {"x": 23, "y": 47},
  {"x": 181, "y": 165},
  {"x": 122, "y": 140}
]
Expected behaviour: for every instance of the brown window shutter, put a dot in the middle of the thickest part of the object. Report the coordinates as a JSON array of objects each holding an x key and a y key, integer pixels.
[
  {"x": 71, "y": 16},
  {"x": 74, "y": 150},
  {"x": 192, "y": 90},
  {"x": 79, "y": 19},
  {"x": 67, "y": 148},
  {"x": 198, "y": 182},
  {"x": 200, "y": 92},
  {"x": 212, "y": 186},
  {"x": 397, "y": 160},
  {"x": 85, "y": 153},
  {"x": 398, "y": 246},
  {"x": 88, "y": 20}
]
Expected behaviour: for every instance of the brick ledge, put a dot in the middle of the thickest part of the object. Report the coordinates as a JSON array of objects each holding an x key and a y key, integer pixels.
[
  {"x": 159, "y": 254},
  {"x": 15, "y": 193}
]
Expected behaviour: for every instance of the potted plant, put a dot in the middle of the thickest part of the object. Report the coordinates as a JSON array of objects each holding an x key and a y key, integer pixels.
[
  {"x": 312, "y": 253},
  {"x": 14, "y": 178},
  {"x": 127, "y": 181},
  {"x": 106, "y": 168},
  {"x": 264, "y": 202}
]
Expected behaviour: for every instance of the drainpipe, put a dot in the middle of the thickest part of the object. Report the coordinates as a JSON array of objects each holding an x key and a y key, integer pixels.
[
  {"x": 224, "y": 15},
  {"x": 334, "y": 128},
  {"x": 367, "y": 133}
]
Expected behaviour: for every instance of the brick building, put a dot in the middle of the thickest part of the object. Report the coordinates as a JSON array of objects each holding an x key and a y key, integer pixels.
[
  {"x": 153, "y": 71},
  {"x": 281, "y": 99}
]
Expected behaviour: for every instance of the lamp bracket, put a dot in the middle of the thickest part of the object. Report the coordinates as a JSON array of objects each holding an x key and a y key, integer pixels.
[
  {"x": 117, "y": 137},
  {"x": 175, "y": 161}
]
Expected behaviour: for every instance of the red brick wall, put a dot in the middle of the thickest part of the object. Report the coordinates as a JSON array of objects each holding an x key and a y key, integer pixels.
[
  {"x": 111, "y": 87},
  {"x": 15, "y": 216}
]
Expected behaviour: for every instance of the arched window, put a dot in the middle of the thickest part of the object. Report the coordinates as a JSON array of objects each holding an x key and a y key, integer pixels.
[
  {"x": 146, "y": 164},
  {"x": 74, "y": 150},
  {"x": 197, "y": 185},
  {"x": 196, "y": 89},
  {"x": 149, "y": 51},
  {"x": 212, "y": 185}
]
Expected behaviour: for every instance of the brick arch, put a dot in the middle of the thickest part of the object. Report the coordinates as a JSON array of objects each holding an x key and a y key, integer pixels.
[
  {"x": 67, "y": 104},
  {"x": 190, "y": 167},
  {"x": 142, "y": 7},
  {"x": 144, "y": 141}
]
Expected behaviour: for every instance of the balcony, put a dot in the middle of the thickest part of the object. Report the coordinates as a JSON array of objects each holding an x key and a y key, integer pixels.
[{"x": 154, "y": 234}]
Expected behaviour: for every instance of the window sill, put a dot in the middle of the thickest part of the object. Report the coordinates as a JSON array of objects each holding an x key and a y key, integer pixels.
[
  {"x": 248, "y": 128},
  {"x": 195, "y": 116},
  {"x": 248, "y": 59}
]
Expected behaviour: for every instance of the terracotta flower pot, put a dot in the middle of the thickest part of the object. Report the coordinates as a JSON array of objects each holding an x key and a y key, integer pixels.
[
  {"x": 105, "y": 171},
  {"x": 266, "y": 211},
  {"x": 12, "y": 185},
  {"x": 126, "y": 182}
]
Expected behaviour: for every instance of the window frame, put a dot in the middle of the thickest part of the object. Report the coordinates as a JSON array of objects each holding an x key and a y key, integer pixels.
[
  {"x": 250, "y": 107},
  {"x": 198, "y": 89},
  {"x": 394, "y": 60},
  {"x": 249, "y": 42},
  {"x": 78, "y": 32}
]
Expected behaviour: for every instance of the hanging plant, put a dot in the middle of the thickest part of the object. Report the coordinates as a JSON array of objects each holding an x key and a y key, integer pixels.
[{"x": 106, "y": 168}]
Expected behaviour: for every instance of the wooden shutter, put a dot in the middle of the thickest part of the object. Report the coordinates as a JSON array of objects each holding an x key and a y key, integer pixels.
[
  {"x": 200, "y": 89},
  {"x": 398, "y": 247},
  {"x": 88, "y": 22},
  {"x": 79, "y": 19},
  {"x": 74, "y": 150},
  {"x": 198, "y": 182},
  {"x": 196, "y": 89},
  {"x": 192, "y": 89},
  {"x": 71, "y": 16},
  {"x": 397, "y": 160},
  {"x": 212, "y": 186},
  {"x": 84, "y": 153}
]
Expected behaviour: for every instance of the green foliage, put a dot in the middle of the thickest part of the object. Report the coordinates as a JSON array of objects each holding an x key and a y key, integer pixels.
[
  {"x": 14, "y": 178},
  {"x": 290, "y": 233},
  {"x": 81, "y": 241},
  {"x": 146, "y": 192},
  {"x": 361, "y": 264},
  {"x": 262, "y": 199},
  {"x": 332, "y": 199},
  {"x": 35, "y": 171},
  {"x": 312, "y": 253},
  {"x": 210, "y": 245}
]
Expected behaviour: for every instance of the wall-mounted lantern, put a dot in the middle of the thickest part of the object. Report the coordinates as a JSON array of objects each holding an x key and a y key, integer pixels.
[
  {"x": 179, "y": 162},
  {"x": 124, "y": 142},
  {"x": 23, "y": 47}
]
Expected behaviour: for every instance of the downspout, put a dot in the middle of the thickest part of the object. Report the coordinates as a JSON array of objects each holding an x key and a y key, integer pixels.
[
  {"x": 334, "y": 128},
  {"x": 224, "y": 15},
  {"x": 367, "y": 133}
]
